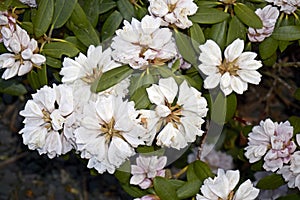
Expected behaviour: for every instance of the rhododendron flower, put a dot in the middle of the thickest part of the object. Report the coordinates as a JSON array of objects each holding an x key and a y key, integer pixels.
[
  {"x": 24, "y": 55},
  {"x": 173, "y": 12},
  {"x": 222, "y": 187},
  {"x": 148, "y": 197},
  {"x": 82, "y": 72},
  {"x": 268, "y": 16},
  {"x": 273, "y": 141},
  {"x": 109, "y": 132},
  {"x": 141, "y": 44},
  {"x": 180, "y": 111},
  {"x": 31, "y": 3},
  {"x": 146, "y": 169},
  {"x": 48, "y": 121},
  {"x": 234, "y": 72},
  {"x": 286, "y": 6}
]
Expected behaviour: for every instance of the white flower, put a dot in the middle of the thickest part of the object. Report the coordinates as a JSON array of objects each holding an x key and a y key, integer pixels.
[
  {"x": 179, "y": 121},
  {"x": 291, "y": 173},
  {"x": 82, "y": 72},
  {"x": 173, "y": 12},
  {"x": 215, "y": 159},
  {"x": 31, "y": 3},
  {"x": 48, "y": 121},
  {"x": 269, "y": 16},
  {"x": 23, "y": 57},
  {"x": 286, "y": 6},
  {"x": 222, "y": 187},
  {"x": 234, "y": 72},
  {"x": 141, "y": 44},
  {"x": 272, "y": 139},
  {"x": 109, "y": 132},
  {"x": 148, "y": 197},
  {"x": 146, "y": 169}
]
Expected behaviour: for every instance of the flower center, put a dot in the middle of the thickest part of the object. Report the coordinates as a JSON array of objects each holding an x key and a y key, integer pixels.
[
  {"x": 90, "y": 78},
  {"x": 108, "y": 130},
  {"x": 174, "y": 116},
  {"x": 171, "y": 7},
  {"x": 47, "y": 119},
  {"x": 230, "y": 67}
]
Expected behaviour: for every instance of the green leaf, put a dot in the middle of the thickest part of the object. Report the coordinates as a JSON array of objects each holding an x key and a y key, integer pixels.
[
  {"x": 164, "y": 189},
  {"x": 111, "y": 24},
  {"x": 58, "y": 49},
  {"x": 202, "y": 170},
  {"x": 185, "y": 48},
  {"x": 287, "y": 33},
  {"x": 91, "y": 10},
  {"x": 177, "y": 183},
  {"x": 209, "y": 16},
  {"x": 111, "y": 77},
  {"x": 236, "y": 30},
  {"x": 42, "y": 75},
  {"x": 126, "y": 9},
  {"x": 297, "y": 94},
  {"x": 43, "y": 17},
  {"x": 140, "y": 98},
  {"x": 62, "y": 12},
  {"x": 197, "y": 36},
  {"x": 223, "y": 108},
  {"x": 283, "y": 44},
  {"x": 79, "y": 24},
  {"x": 208, "y": 4},
  {"x": 106, "y": 5},
  {"x": 218, "y": 33},
  {"x": 290, "y": 197},
  {"x": 33, "y": 80},
  {"x": 28, "y": 26},
  {"x": 247, "y": 16},
  {"x": 53, "y": 62},
  {"x": 271, "y": 60},
  {"x": 4, "y": 5},
  {"x": 275, "y": 179},
  {"x": 189, "y": 189},
  {"x": 257, "y": 166},
  {"x": 140, "y": 12},
  {"x": 190, "y": 173},
  {"x": 12, "y": 88},
  {"x": 295, "y": 122},
  {"x": 267, "y": 48},
  {"x": 140, "y": 80},
  {"x": 134, "y": 191},
  {"x": 76, "y": 43}
]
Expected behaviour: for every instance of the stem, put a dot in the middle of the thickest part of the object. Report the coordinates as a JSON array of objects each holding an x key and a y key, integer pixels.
[{"x": 182, "y": 171}]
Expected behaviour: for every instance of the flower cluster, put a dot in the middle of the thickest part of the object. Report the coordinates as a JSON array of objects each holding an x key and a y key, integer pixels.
[
  {"x": 173, "y": 12},
  {"x": 268, "y": 16},
  {"x": 146, "y": 169},
  {"x": 286, "y": 6},
  {"x": 223, "y": 185},
  {"x": 273, "y": 141},
  {"x": 234, "y": 72},
  {"x": 141, "y": 44}
]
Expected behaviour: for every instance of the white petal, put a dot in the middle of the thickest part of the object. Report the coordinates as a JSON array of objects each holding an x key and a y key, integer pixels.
[
  {"x": 237, "y": 84},
  {"x": 225, "y": 80},
  {"x": 26, "y": 54},
  {"x": 25, "y": 68},
  {"x": 212, "y": 81},
  {"x": 246, "y": 191},
  {"x": 169, "y": 88},
  {"x": 38, "y": 59},
  {"x": 208, "y": 69},
  {"x": 155, "y": 95},
  {"x": 249, "y": 76},
  {"x": 234, "y": 50},
  {"x": 210, "y": 53}
]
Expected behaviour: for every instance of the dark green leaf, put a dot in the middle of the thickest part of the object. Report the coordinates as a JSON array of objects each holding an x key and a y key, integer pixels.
[
  {"x": 287, "y": 33},
  {"x": 111, "y": 77},
  {"x": 43, "y": 17},
  {"x": 297, "y": 94},
  {"x": 134, "y": 191},
  {"x": 236, "y": 30},
  {"x": 164, "y": 189},
  {"x": 295, "y": 122},
  {"x": 140, "y": 80},
  {"x": 189, "y": 189},
  {"x": 76, "y": 43},
  {"x": 106, "y": 5},
  {"x": 202, "y": 170},
  {"x": 140, "y": 12},
  {"x": 290, "y": 197},
  {"x": 271, "y": 60},
  {"x": 197, "y": 36},
  {"x": 4, "y": 5},
  {"x": 145, "y": 149},
  {"x": 57, "y": 49},
  {"x": 82, "y": 28},
  {"x": 208, "y": 4},
  {"x": 62, "y": 12},
  {"x": 53, "y": 62},
  {"x": 209, "y": 16},
  {"x": 218, "y": 33},
  {"x": 28, "y": 26},
  {"x": 140, "y": 98},
  {"x": 42, "y": 75},
  {"x": 176, "y": 183},
  {"x": 126, "y": 9},
  {"x": 122, "y": 176},
  {"x": 190, "y": 173},
  {"x": 257, "y": 166},
  {"x": 91, "y": 10},
  {"x": 33, "y": 80},
  {"x": 111, "y": 24},
  {"x": 12, "y": 88},
  {"x": 268, "y": 47},
  {"x": 247, "y": 16},
  {"x": 185, "y": 48},
  {"x": 275, "y": 179},
  {"x": 283, "y": 44}
]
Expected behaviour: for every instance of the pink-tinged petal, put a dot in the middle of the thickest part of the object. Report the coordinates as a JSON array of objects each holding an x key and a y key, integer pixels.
[
  {"x": 137, "y": 179},
  {"x": 234, "y": 50},
  {"x": 145, "y": 184},
  {"x": 26, "y": 54},
  {"x": 135, "y": 169}
]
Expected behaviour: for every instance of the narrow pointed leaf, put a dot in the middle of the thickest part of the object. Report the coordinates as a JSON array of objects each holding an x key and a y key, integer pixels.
[
  {"x": 58, "y": 49},
  {"x": 164, "y": 189},
  {"x": 106, "y": 5},
  {"x": 209, "y": 16},
  {"x": 62, "y": 12},
  {"x": 287, "y": 33},
  {"x": 218, "y": 33},
  {"x": 275, "y": 179},
  {"x": 12, "y": 88},
  {"x": 111, "y": 24},
  {"x": 202, "y": 170},
  {"x": 268, "y": 47},
  {"x": 197, "y": 36},
  {"x": 126, "y": 9},
  {"x": 247, "y": 16},
  {"x": 43, "y": 17},
  {"x": 189, "y": 189},
  {"x": 236, "y": 30}
]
